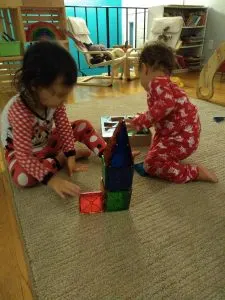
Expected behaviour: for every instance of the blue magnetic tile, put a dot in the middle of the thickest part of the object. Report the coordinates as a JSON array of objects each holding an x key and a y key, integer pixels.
[
  {"x": 117, "y": 179},
  {"x": 122, "y": 155}
]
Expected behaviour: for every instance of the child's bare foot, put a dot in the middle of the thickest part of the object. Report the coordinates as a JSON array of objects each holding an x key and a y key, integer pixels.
[
  {"x": 82, "y": 153},
  {"x": 135, "y": 153},
  {"x": 206, "y": 175}
]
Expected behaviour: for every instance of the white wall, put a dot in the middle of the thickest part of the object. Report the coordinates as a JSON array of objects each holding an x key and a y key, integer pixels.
[{"x": 140, "y": 15}]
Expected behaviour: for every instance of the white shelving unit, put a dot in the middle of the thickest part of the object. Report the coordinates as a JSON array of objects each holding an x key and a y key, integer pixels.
[{"x": 192, "y": 35}]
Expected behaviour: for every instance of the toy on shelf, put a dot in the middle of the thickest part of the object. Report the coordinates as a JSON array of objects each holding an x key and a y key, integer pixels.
[
  {"x": 117, "y": 176},
  {"x": 42, "y": 31},
  {"x": 109, "y": 124}
]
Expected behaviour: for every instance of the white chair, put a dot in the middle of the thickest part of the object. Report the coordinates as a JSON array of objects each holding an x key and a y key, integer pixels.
[
  {"x": 79, "y": 33},
  {"x": 166, "y": 29}
]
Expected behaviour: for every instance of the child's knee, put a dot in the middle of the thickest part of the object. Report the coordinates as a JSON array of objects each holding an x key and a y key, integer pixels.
[
  {"x": 81, "y": 125},
  {"x": 22, "y": 179},
  {"x": 18, "y": 174}
]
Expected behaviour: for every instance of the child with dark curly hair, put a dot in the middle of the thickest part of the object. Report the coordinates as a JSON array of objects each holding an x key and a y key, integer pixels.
[
  {"x": 174, "y": 117},
  {"x": 34, "y": 150}
]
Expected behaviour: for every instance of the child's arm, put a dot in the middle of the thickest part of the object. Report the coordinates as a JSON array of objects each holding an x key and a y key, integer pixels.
[
  {"x": 142, "y": 121},
  {"x": 22, "y": 123},
  {"x": 161, "y": 100},
  {"x": 65, "y": 131},
  {"x": 160, "y": 103}
]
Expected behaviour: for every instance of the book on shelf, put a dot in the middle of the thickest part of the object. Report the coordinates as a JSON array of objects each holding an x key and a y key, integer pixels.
[
  {"x": 203, "y": 20},
  {"x": 196, "y": 18},
  {"x": 193, "y": 20}
]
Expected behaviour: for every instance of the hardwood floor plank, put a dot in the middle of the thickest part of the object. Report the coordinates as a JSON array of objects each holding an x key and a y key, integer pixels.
[{"x": 14, "y": 281}]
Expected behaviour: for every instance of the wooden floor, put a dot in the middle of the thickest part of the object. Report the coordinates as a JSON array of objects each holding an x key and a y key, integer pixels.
[{"x": 14, "y": 280}]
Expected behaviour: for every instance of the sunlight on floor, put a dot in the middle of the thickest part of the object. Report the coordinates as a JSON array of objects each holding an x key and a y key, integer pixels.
[{"x": 2, "y": 167}]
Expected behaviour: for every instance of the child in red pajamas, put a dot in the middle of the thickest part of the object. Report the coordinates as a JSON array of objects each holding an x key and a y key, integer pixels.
[
  {"x": 174, "y": 117},
  {"x": 34, "y": 150}
]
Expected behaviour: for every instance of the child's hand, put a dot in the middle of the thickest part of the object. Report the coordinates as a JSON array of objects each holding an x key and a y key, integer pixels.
[
  {"x": 74, "y": 167},
  {"x": 63, "y": 187},
  {"x": 130, "y": 125}
]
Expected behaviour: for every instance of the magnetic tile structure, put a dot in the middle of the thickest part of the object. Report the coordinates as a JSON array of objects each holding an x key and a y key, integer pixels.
[{"x": 117, "y": 176}]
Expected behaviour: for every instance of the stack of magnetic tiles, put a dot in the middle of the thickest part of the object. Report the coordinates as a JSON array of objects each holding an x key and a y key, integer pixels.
[{"x": 117, "y": 177}]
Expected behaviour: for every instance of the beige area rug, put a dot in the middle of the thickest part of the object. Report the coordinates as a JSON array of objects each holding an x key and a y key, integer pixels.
[{"x": 169, "y": 245}]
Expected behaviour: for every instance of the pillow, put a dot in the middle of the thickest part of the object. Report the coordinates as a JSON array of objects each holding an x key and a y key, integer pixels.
[{"x": 174, "y": 23}]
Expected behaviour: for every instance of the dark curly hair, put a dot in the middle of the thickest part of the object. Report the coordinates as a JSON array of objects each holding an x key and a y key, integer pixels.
[
  {"x": 43, "y": 63},
  {"x": 158, "y": 56}
]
